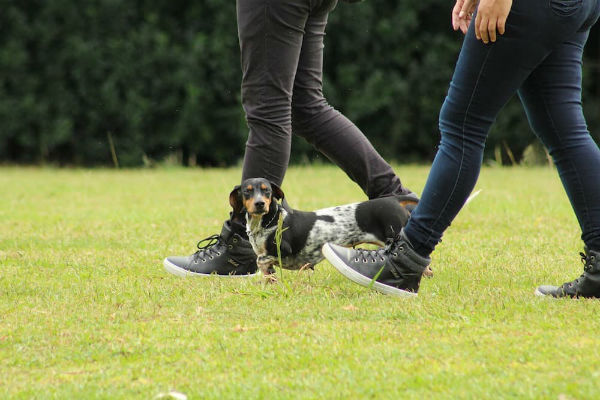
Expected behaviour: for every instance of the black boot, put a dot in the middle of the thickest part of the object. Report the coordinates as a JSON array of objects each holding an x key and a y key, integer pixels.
[
  {"x": 587, "y": 285},
  {"x": 395, "y": 269},
  {"x": 228, "y": 254}
]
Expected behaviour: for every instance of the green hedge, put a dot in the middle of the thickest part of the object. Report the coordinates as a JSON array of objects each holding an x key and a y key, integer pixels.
[{"x": 162, "y": 78}]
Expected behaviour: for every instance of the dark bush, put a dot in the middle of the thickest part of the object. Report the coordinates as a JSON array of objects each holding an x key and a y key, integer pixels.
[{"x": 162, "y": 78}]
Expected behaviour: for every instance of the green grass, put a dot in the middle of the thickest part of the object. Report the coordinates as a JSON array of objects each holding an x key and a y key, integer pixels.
[{"x": 87, "y": 311}]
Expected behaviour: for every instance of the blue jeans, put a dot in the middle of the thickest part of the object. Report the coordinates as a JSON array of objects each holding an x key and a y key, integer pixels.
[{"x": 540, "y": 57}]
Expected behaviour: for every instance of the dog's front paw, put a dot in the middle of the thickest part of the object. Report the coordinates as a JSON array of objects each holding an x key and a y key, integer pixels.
[
  {"x": 265, "y": 264},
  {"x": 271, "y": 278},
  {"x": 307, "y": 266}
]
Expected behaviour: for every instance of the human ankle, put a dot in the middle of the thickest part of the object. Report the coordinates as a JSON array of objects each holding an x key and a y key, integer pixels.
[{"x": 417, "y": 247}]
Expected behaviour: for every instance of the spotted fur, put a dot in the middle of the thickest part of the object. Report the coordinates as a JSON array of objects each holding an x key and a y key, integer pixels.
[
  {"x": 305, "y": 233},
  {"x": 341, "y": 229}
]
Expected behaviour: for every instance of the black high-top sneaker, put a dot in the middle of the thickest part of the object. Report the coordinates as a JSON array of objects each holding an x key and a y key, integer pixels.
[
  {"x": 227, "y": 254},
  {"x": 587, "y": 285},
  {"x": 395, "y": 269}
]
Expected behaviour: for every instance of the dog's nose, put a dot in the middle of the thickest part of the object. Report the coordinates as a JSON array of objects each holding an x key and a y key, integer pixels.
[{"x": 259, "y": 204}]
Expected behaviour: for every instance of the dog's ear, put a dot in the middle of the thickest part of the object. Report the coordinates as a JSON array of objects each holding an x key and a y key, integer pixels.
[
  {"x": 277, "y": 192},
  {"x": 279, "y": 195},
  {"x": 235, "y": 200}
]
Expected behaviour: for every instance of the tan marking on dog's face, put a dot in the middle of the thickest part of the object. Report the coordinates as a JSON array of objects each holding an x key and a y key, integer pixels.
[
  {"x": 267, "y": 201},
  {"x": 249, "y": 204},
  {"x": 265, "y": 196},
  {"x": 257, "y": 192},
  {"x": 248, "y": 200}
]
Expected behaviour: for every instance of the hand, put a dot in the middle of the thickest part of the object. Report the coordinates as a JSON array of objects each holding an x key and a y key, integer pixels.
[
  {"x": 491, "y": 15},
  {"x": 462, "y": 14}
]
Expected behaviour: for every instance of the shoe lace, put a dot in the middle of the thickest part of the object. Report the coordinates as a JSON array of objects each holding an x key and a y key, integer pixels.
[
  {"x": 587, "y": 264},
  {"x": 207, "y": 248},
  {"x": 392, "y": 245},
  {"x": 366, "y": 256}
]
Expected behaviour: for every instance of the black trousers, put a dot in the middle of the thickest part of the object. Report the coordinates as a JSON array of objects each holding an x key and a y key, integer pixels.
[{"x": 281, "y": 44}]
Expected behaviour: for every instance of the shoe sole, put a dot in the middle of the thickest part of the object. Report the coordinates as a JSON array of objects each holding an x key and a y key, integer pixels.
[
  {"x": 362, "y": 280},
  {"x": 175, "y": 270},
  {"x": 542, "y": 294}
]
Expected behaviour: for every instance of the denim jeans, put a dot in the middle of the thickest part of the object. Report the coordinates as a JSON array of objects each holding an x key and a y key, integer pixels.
[
  {"x": 540, "y": 57},
  {"x": 281, "y": 43}
]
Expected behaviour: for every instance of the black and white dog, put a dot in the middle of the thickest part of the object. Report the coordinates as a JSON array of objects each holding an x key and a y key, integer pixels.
[{"x": 305, "y": 233}]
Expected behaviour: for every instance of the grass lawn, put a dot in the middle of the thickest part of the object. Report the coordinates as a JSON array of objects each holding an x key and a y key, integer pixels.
[{"x": 87, "y": 311}]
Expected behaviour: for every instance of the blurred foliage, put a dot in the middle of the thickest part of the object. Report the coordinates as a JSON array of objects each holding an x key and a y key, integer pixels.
[{"x": 162, "y": 78}]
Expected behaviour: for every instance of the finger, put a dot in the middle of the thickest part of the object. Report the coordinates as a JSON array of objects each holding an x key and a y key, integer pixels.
[
  {"x": 501, "y": 25},
  {"x": 483, "y": 31},
  {"x": 455, "y": 19},
  {"x": 455, "y": 12},
  {"x": 477, "y": 24},
  {"x": 492, "y": 29},
  {"x": 465, "y": 8},
  {"x": 464, "y": 26}
]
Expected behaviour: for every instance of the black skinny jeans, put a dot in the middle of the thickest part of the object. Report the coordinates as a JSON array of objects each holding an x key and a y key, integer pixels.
[{"x": 281, "y": 43}]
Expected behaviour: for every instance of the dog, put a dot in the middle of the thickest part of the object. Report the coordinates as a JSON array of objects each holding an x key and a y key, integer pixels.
[{"x": 304, "y": 233}]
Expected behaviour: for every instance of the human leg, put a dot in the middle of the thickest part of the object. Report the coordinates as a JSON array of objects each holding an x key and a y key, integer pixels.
[
  {"x": 552, "y": 99},
  {"x": 486, "y": 76},
  {"x": 465, "y": 118},
  {"x": 325, "y": 128},
  {"x": 270, "y": 35}
]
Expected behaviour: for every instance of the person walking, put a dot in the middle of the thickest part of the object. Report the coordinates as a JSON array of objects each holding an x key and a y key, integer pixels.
[
  {"x": 533, "y": 48},
  {"x": 281, "y": 44}
]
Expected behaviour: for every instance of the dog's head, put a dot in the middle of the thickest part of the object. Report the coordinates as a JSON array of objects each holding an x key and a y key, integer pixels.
[{"x": 255, "y": 195}]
